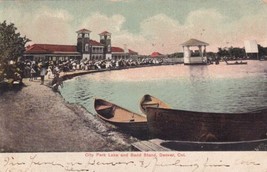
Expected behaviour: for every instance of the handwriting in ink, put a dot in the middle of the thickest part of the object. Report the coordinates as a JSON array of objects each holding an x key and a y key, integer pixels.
[
  {"x": 151, "y": 164},
  {"x": 11, "y": 161}
]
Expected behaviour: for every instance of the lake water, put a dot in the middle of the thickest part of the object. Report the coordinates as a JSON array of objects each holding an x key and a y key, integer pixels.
[{"x": 211, "y": 88}]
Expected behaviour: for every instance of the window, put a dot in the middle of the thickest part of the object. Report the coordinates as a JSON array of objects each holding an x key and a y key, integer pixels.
[{"x": 86, "y": 47}]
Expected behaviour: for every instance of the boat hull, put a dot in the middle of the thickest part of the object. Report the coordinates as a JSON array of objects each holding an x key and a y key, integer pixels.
[
  {"x": 237, "y": 63},
  {"x": 172, "y": 124},
  {"x": 137, "y": 129},
  {"x": 123, "y": 119},
  {"x": 151, "y": 101},
  {"x": 252, "y": 145}
]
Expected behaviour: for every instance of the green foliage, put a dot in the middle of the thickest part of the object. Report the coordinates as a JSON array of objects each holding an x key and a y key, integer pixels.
[
  {"x": 12, "y": 46},
  {"x": 231, "y": 52},
  {"x": 262, "y": 50}
]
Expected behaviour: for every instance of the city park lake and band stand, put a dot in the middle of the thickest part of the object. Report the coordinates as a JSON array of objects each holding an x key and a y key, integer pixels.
[{"x": 188, "y": 57}]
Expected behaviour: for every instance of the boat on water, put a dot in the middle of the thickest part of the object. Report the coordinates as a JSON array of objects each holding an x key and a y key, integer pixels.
[
  {"x": 129, "y": 122},
  {"x": 151, "y": 101},
  {"x": 236, "y": 63},
  {"x": 176, "y": 145},
  {"x": 182, "y": 125},
  {"x": 251, "y": 145}
]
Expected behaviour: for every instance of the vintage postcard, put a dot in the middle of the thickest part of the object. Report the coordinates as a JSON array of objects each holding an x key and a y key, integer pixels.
[{"x": 149, "y": 85}]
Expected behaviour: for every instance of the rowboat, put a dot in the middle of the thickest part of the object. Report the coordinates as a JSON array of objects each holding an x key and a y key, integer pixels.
[
  {"x": 122, "y": 118},
  {"x": 150, "y": 101},
  {"x": 177, "y": 145},
  {"x": 173, "y": 124},
  {"x": 251, "y": 145},
  {"x": 236, "y": 63}
]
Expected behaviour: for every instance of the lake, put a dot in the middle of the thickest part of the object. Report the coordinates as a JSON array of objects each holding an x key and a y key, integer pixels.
[{"x": 209, "y": 88}]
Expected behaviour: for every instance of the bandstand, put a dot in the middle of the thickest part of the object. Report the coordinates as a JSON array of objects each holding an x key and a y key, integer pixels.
[{"x": 194, "y": 57}]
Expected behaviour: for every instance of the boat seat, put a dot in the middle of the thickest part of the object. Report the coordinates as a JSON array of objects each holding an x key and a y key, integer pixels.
[
  {"x": 104, "y": 107},
  {"x": 151, "y": 104}
]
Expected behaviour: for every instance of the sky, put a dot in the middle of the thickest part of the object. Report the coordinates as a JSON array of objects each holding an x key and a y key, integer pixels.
[{"x": 144, "y": 26}]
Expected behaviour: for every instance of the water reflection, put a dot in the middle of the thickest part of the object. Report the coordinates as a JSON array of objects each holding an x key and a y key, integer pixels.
[{"x": 217, "y": 88}]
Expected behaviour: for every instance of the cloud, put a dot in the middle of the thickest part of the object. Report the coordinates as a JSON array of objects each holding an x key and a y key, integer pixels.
[
  {"x": 165, "y": 34},
  {"x": 98, "y": 22},
  {"x": 208, "y": 25},
  {"x": 159, "y": 32},
  {"x": 43, "y": 25},
  {"x": 118, "y": 0}
]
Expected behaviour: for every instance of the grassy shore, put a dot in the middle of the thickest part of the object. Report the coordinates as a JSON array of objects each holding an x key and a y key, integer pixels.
[{"x": 36, "y": 119}]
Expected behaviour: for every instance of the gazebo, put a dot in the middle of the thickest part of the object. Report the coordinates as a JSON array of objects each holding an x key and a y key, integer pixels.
[{"x": 196, "y": 57}]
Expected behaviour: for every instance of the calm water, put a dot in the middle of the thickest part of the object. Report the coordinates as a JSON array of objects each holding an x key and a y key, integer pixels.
[{"x": 213, "y": 88}]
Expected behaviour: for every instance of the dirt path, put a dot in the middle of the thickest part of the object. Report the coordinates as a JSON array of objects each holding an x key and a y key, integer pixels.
[{"x": 35, "y": 119}]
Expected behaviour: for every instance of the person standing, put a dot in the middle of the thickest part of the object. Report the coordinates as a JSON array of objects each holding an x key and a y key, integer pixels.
[
  {"x": 32, "y": 73},
  {"x": 49, "y": 72},
  {"x": 43, "y": 72}
]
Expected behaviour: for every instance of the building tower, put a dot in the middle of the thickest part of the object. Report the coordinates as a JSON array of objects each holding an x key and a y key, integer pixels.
[
  {"x": 83, "y": 43},
  {"x": 105, "y": 39}
]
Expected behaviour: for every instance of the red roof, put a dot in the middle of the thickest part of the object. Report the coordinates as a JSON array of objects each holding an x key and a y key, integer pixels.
[
  {"x": 121, "y": 50},
  {"x": 117, "y": 50},
  {"x": 155, "y": 54},
  {"x": 132, "y": 52},
  {"x": 95, "y": 43},
  {"x": 105, "y": 33},
  {"x": 83, "y": 31},
  {"x": 50, "y": 48}
]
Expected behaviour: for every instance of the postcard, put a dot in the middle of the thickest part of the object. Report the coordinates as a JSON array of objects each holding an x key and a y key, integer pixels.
[{"x": 148, "y": 85}]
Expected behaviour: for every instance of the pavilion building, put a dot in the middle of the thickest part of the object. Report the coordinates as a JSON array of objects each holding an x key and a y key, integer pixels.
[{"x": 85, "y": 48}]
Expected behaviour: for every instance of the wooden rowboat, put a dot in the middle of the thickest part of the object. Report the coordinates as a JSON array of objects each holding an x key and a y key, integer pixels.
[
  {"x": 124, "y": 119},
  {"x": 150, "y": 101},
  {"x": 251, "y": 145},
  {"x": 176, "y": 145},
  {"x": 236, "y": 63},
  {"x": 173, "y": 124}
]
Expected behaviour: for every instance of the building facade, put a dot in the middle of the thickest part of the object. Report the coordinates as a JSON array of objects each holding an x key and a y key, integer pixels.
[{"x": 85, "y": 49}]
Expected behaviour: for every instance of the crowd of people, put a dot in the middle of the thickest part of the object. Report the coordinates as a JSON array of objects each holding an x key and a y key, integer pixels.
[
  {"x": 51, "y": 69},
  {"x": 34, "y": 69}
]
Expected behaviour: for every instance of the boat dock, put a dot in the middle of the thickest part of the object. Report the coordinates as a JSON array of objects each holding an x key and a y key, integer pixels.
[{"x": 149, "y": 145}]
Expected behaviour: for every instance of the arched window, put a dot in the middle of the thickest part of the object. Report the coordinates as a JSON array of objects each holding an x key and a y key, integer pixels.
[{"x": 86, "y": 47}]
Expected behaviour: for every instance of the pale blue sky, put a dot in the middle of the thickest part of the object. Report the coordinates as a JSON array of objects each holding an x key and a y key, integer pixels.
[{"x": 144, "y": 25}]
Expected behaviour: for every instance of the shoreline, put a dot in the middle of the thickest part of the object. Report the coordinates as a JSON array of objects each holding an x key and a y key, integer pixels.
[{"x": 37, "y": 119}]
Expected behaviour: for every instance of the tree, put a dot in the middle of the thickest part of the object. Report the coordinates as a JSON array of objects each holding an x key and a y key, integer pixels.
[
  {"x": 262, "y": 50},
  {"x": 12, "y": 46},
  {"x": 223, "y": 52}
]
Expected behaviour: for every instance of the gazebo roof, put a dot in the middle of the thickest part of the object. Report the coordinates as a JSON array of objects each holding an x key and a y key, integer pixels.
[{"x": 194, "y": 42}]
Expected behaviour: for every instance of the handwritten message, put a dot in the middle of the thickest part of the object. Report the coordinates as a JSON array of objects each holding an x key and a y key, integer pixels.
[{"x": 134, "y": 161}]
